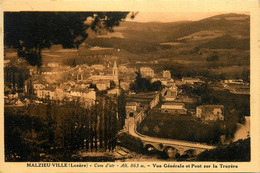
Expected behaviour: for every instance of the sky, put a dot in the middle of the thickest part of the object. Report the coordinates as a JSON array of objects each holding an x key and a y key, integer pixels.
[{"x": 174, "y": 16}]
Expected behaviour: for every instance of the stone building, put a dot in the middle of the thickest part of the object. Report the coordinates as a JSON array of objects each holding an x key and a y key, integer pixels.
[
  {"x": 146, "y": 72},
  {"x": 210, "y": 112}
]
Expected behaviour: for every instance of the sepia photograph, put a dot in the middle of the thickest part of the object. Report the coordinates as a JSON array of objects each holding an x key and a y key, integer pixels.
[{"x": 126, "y": 86}]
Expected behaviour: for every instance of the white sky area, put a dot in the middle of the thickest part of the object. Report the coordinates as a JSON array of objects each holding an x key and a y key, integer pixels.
[{"x": 175, "y": 16}]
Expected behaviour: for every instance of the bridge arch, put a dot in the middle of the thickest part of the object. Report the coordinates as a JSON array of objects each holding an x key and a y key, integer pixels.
[
  {"x": 190, "y": 152},
  {"x": 150, "y": 148},
  {"x": 171, "y": 151}
]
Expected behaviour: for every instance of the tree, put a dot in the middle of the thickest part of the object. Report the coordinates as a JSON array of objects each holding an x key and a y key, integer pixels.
[
  {"x": 121, "y": 108},
  {"x": 74, "y": 64},
  {"x": 30, "y": 32},
  {"x": 144, "y": 85},
  {"x": 112, "y": 84},
  {"x": 246, "y": 75},
  {"x": 238, "y": 151},
  {"x": 93, "y": 86},
  {"x": 155, "y": 86}
]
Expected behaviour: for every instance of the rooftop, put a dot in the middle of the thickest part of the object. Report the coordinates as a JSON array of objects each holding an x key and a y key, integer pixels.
[
  {"x": 83, "y": 90},
  {"x": 173, "y": 103},
  {"x": 131, "y": 104},
  {"x": 211, "y": 106},
  {"x": 146, "y": 69},
  {"x": 190, "y": 78}
]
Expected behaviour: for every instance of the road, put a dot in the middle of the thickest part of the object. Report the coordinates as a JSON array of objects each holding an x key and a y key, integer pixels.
[{"x": 232, "y": 90}]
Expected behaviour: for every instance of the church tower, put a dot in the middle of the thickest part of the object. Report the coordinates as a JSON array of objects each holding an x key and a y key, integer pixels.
[
  {"x": 115, "y": 69},
  {"x": 115, "y": 73}
]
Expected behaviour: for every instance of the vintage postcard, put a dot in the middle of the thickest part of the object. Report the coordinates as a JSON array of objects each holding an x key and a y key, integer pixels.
[{"x": 130, "y": 86}]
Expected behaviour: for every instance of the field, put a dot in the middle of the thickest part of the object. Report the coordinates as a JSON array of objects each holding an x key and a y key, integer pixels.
[{"x": 165, "y": 125}]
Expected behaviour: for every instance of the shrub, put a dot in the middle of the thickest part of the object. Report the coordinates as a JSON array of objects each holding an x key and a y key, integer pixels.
[{"x": 131, "y": 142}]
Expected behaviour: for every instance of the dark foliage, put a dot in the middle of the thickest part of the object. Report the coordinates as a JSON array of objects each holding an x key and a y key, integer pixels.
[
  {"x": 21, "y": 143},
  {"x": 246, "y": 75},
  {"x": 30, "y": 32},
  {"x": 112, "y": 84},
  {"x": 15, "y": 76},
  {"x": 238, "y": 151},
  {"x": 130, "y": 142},
  {"x": 186, "y": 128},
  {"x": 144, "y": 85},
  {"x": 53, "y": 129},
  {"x": 235, "y": 106},
  {"x": 227, "y": 42},
  {"x": 121, "y": 108}
]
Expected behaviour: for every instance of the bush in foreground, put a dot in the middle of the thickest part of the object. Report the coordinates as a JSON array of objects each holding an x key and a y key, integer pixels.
[{"x": 238, "y": 151}]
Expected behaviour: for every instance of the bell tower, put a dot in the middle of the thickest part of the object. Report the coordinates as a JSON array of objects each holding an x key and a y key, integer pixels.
[
  {"x": 115, "y": 73},
  {"x": 115, "y": 69}
]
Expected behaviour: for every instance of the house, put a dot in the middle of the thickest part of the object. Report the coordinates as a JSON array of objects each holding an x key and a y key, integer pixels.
[
  {"x": 80, "y": 77},
  {"x": 32, "y": 70},
  {"x": 6, "y": 62},
  {"x": 170, "y": 93},
  {"x": 98, "y": 67},
  {"x": 131, "y": 109},
  {"x": 210, "y": 112},
  {"x": 113, "y": 76},
  {"x": 162, "y": 80},
  {"x": 50, "y": 70},
  {"x": 172, "y": 107},
  {"x": 132, "y": 105},
  {"x": 125, "y": 85},
  {"x": 170, "y": 83},
  {"x": 166, "y": 74},
  {"x": 186, "y": 99},
  {"x": 234, "y": 81},
  {"x": 115, "y": 91},
  {"x": 38, "y": 86},
  {"x": 86, "y": 96},
  {"x": 53, "y": 64},
  {"x": 103, "y": 85},
  {"x": 19, "y": 103},
  {"x": 123, "y": 68},
  {"x": 59, "y": 94},
  {"x": 46, "y": 93},
  {"x": 13, "y": 96},
  {"x": 146, "y": 72},
  {"x": 190, "y": 80}
]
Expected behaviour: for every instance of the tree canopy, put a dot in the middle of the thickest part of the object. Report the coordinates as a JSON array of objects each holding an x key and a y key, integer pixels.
[
  {"x": 144, "y": 85},
  {"x": 30, "y": 32}
]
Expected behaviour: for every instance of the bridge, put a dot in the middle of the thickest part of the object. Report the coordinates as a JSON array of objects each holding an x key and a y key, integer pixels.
[{"x": 170, "y": 146}]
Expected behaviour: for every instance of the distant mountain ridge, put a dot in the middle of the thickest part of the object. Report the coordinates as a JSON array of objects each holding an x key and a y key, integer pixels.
[{"x": 145, "y": 37}]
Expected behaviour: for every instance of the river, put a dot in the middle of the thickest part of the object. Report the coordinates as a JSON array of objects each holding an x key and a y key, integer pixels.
[{"x": 242, "y": 130}]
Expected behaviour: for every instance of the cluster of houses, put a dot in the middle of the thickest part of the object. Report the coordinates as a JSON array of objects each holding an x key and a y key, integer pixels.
[
  {"x": 64, "y": 92},
  {"x": 83, "y": 78},
  {"x": 171, "y": 102},
  {"x": 79, "y": 89}
]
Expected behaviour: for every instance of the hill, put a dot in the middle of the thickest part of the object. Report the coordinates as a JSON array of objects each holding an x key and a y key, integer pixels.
[{"x": 146, "y": 37}]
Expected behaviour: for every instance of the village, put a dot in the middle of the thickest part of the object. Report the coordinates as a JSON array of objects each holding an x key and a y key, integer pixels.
[
  {"x": 82, "y": 83},
  {"x": 100, "y": 86},
  {"x": 88, "y": 84}
]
